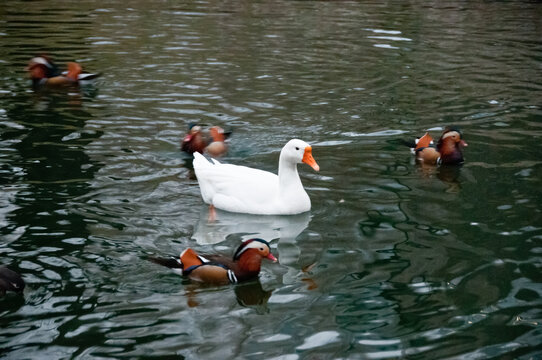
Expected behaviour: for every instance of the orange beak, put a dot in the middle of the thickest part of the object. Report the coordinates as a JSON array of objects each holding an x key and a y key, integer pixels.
[
  {"x": 271, "y": 257},
  {"x": 309, "y": 160}
]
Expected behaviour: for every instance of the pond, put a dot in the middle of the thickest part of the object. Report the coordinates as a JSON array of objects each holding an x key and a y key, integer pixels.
[{"x": 394, "y": 260}]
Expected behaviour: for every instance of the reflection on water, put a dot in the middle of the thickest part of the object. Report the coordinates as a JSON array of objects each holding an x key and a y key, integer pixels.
[
  {"x": 250, "y": 295},
  {"x": 395, "y": 260},
  {"x": 246, "y": 226}
]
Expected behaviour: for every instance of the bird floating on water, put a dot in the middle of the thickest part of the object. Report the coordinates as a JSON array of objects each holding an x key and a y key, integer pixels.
[
  {"x": 213, "y": 142},
  {"x": 44, "y": 72},
  {"x": 448, "y": 150},
  {"x": 219, "y": 269},
  {"x": 247, "y": 190}
]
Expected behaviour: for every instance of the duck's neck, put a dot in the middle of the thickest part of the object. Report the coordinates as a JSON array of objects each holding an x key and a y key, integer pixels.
[{"x": 450, "y": 152}]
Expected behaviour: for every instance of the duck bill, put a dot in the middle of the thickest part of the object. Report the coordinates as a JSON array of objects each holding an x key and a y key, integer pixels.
[
  {"x": 463, "y": 144},
  {"x": 309, "y": 160},
  {"x": 271, "y": 257}
]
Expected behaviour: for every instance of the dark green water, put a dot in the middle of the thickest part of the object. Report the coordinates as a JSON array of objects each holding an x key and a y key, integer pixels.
[{"x": 393, "y": 261}]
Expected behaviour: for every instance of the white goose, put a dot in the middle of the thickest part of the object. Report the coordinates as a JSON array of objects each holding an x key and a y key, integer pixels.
[{"x": 246, "y": 190}]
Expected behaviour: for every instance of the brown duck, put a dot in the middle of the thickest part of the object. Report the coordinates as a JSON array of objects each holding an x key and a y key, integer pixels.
[
  {"x": 197, "y": 141},
  {"x": 44, "y": 72},
  {"x": 219, "y": 269},
  {"x": 449, "y": 148}
]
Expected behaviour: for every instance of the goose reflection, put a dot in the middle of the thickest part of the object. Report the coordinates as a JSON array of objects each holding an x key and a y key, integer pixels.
[{"x": 282, "y": 227}]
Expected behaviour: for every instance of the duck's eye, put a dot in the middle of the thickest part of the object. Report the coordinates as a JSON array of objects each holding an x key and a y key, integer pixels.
[
  {"x": 261, "y": 249},
  {"x": 296, "y": 148}
]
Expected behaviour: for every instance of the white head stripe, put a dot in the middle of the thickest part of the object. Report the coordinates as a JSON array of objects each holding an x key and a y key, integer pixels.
[
  {"x": 450, "y": 133},
  {"x": 252, "y": 245},
  {"x": 41, "y": 60}
]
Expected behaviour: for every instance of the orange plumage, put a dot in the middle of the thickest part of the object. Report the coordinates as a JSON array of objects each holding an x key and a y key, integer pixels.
[
  {"x": 190, "y": 258},
  {"x": 424, "y": 141},
  {"x": 74, "y": 69}
]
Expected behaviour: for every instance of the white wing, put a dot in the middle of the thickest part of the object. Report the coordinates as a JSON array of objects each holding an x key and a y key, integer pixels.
[{"x": 234, "y": 187}]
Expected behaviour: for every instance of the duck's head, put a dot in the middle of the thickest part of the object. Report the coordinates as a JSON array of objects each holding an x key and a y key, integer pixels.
[
  {"x": 39, "y": 67},
  {"x": 451, "y": 144},
  {"x": 298, "y": 151},
  {"x": 193, "y": 130},
  {"x": 452, "y": 135},
  {"x": 256, "y": 249}
]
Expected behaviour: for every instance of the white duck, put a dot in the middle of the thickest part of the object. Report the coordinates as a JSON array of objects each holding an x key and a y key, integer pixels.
[{"x": 246, "y": 190}]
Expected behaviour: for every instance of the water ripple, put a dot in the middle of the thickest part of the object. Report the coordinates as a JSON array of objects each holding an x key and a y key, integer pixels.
[{"x": 394, "y": 260}]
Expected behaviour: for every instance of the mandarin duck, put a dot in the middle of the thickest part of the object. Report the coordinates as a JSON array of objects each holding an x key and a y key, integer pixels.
[
  {"x": 44, "y": 72},
  {"x": 246, "y": 190},
  {"x": 449, "y": 148},
  {"x": 10, "y": 281},
  {"x": 213, "y": 143},
  {"x": 220, "y": 269}
]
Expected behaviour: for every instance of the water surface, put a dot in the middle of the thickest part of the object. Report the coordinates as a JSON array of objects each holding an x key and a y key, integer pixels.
[{"x": 393, "y": 261}]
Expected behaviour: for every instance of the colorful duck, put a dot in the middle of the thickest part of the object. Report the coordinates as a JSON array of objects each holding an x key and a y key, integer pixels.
[
  {"x": 219, "y": 269},
  {"x": 449, "y": 148},
  {"x": 10, "y": 281},
  {"x": 251, "y": 191},
  {"x": 213, "y": 143},
  {"x": 44, "y": 72}
]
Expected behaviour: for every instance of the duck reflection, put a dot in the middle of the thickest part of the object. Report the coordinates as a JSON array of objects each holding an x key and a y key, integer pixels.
[
  {"x": 448, "y": 174},
  {"x": 253, "y": 295},
  {"x": 250, "y": 295}
]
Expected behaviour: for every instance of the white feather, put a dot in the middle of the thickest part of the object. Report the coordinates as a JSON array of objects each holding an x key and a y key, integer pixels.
[{"x": 246, "y": 190}]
